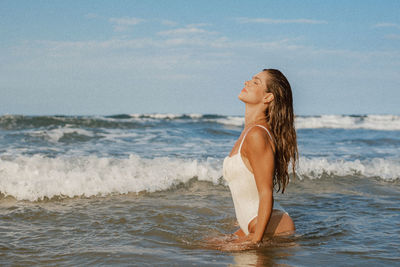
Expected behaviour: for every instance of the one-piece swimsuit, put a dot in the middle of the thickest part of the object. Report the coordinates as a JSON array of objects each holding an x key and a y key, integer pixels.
[{"x": 243, "y": 187}]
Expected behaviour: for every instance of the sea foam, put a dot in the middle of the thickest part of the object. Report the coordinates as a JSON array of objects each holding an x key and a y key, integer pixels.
[
  {"x": 54, "y": 135},
  {"x": 314, "y": 168},
  {"x": 373, "y": 122},
  {"x": 38, "y": 177}
]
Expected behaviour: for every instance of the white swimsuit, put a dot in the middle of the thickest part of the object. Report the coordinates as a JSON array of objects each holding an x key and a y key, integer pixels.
[{"x": 243, "y": 187}]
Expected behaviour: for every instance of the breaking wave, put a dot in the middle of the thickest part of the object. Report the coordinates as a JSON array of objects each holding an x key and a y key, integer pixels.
[{"x": 39, "y": 177}]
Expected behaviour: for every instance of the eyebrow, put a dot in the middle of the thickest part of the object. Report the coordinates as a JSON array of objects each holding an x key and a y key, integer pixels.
[{"x": 255, "y": 77}]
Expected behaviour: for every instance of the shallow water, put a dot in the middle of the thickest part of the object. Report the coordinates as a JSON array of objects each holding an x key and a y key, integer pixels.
[
  {"x": 102, "y": 200},
  {"x": 354, "y": 226}
]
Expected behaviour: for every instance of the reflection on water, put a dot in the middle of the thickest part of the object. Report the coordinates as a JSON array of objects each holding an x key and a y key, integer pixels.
[
  {"x": 246, "y": 258},
  {"x": 272, "y": 250},
  {"x": 268, "y": 255}
]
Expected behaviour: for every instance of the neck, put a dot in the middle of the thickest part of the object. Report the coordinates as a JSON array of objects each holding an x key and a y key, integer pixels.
[{"x": 254, "y": 115}]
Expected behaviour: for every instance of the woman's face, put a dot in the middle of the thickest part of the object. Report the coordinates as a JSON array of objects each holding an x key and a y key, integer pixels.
[{"x": 254, "y": 90}]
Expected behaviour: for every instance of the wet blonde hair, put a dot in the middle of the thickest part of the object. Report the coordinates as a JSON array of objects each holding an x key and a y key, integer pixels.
[{"x": 280, "y": 118}]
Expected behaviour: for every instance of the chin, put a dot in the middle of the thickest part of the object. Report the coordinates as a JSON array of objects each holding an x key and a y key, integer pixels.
[{"x": 241, "y": 97}]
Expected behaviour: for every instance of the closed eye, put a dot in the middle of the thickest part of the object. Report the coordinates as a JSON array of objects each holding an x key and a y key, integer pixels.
[{"x": 256, "y": 80}]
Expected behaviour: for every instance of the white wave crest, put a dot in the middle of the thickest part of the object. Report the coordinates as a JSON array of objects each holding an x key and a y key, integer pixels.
[
  {"x": 373, "y": 122},
  {"x": 37, "y": 177},
  {"x": 229, "y": 120},
  {"x": 54, "y": 135},
  {"x": 387, "y": 169},
  {"x": 165, "y": 115}
]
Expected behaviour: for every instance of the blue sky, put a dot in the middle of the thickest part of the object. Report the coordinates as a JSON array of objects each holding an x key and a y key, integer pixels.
[{"x": 111, "y": 57}]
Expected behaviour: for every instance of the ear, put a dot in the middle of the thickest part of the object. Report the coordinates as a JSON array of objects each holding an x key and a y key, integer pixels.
[{"x": 269, "y": 97}]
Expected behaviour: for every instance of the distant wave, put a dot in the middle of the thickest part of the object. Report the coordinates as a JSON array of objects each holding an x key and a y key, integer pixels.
[
  {"x": 63, "y": 134},
  {"x": 38, "y": 177},
  {"x": 169, "y": 116},
  {"x": 132, "y": 121},
  {"x": 373, "y": 122}
]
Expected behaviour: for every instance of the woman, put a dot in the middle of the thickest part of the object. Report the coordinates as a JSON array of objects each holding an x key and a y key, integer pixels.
[{"x": 259, "y": 160}]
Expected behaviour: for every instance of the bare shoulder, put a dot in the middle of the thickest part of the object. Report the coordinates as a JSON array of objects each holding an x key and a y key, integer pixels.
[{"x": 257, "y": 140}]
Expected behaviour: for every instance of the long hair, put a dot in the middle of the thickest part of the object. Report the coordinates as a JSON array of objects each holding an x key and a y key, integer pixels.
[{"x": 280, "y": 119}]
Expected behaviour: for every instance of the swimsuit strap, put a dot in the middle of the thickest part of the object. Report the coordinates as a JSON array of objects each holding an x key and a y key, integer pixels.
[{"x": 241, "y": 143}]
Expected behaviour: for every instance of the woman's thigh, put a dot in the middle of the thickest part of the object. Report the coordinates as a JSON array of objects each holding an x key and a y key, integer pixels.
[{"x": 279, "y": 223}]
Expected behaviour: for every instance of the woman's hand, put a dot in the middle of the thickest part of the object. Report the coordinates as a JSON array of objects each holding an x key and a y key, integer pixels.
[{"x": 241, "y": 243}]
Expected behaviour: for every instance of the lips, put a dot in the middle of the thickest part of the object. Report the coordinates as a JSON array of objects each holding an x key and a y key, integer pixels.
[{"x": 244, "y": 90}]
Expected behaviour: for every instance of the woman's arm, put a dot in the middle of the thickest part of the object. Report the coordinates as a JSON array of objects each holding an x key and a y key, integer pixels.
[
  {"x": 239, "y": 233},
  {"x": 258, "y": 151}
]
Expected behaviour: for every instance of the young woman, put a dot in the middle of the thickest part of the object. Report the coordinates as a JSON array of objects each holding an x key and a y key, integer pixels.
[{"x": 258, "y": 162}]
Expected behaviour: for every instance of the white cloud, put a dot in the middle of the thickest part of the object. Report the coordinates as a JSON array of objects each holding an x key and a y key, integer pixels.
[
  {"x": 280, "y": 21},
  {"x": 186, "y": 30},
  {"x": 124, "y": 23},
  {"x": 387, "y": 25},
  {"x": 168, "y": 22},
  {"x": 56, "y": 47},
  {"x": 393, "y": 36},
  {"x": 190, "y": 62},
  {"x": 112, "y": 44},
  {"x": 180, "y": 48},
  {"x": 199, "y": 25},
  {"x": 91, "y": 16}
]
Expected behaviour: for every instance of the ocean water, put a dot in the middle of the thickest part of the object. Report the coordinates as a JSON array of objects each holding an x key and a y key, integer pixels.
[{"x": 147, "y": 189}]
